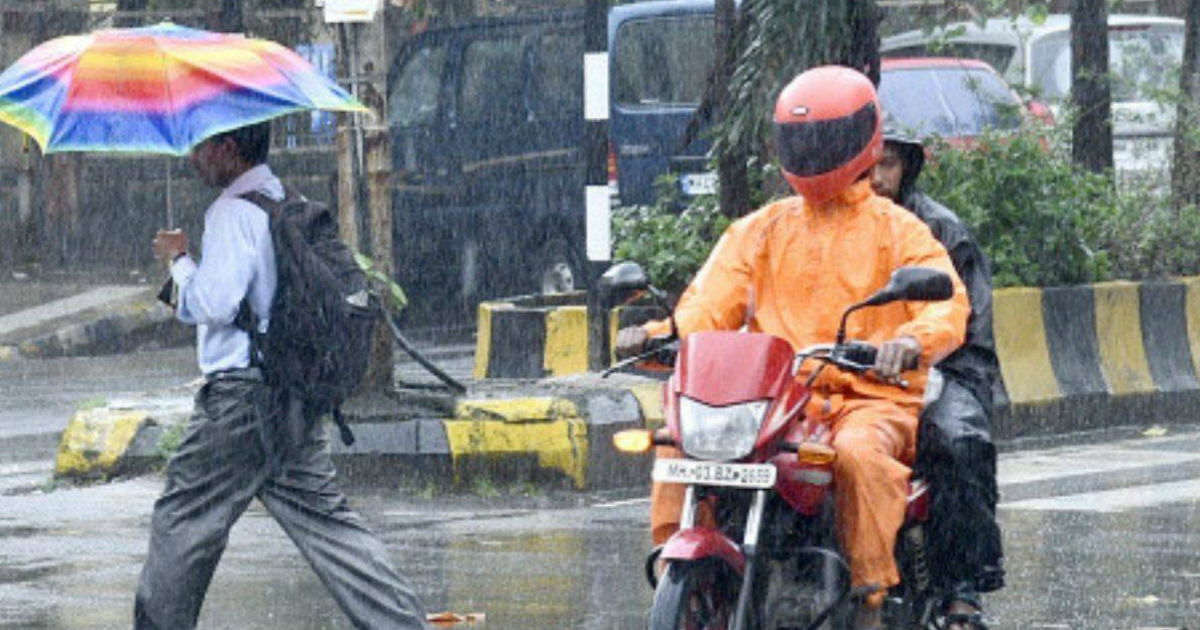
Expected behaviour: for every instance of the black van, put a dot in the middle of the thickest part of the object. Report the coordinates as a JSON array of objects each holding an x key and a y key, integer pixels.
[{"x": 487, "y": 121}]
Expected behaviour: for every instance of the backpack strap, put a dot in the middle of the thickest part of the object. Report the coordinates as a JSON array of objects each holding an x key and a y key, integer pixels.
[{"x": 246, "y": 320}]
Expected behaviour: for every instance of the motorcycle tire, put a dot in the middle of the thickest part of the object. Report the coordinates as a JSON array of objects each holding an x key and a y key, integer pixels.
[{"x": 699, "y": 595}]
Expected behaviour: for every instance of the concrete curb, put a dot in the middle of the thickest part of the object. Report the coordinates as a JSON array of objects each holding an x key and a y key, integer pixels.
[
  {"x": 561, "y": 437},
  {"x": 123, "y": 437},
  {"x": 130, "y": 325}
]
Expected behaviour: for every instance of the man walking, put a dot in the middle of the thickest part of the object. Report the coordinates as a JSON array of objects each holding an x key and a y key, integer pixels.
[
  {"x": 954, "y": 446},
  {"x": 226, "y": 456}
]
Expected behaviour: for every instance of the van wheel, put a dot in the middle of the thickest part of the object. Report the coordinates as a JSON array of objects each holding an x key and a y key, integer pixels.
[{"x": 555, "y": 269}]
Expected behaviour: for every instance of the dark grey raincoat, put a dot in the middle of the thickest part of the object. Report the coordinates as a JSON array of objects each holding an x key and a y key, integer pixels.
[{"x": 955, "y": 451}]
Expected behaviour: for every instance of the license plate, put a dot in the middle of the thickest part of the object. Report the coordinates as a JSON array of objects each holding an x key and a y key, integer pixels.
[
  {"x": 714, "y": 473},
  {"x": 698, "y": 183}
]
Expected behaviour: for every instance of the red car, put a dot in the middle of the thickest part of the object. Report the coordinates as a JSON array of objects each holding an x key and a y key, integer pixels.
[{"x": 955, "y": 99}]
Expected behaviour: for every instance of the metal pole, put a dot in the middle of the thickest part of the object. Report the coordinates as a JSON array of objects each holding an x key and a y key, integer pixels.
[{"x": 596, "y": 193}]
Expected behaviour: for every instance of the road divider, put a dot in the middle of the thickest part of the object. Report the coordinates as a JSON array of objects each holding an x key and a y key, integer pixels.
[
  {"x": 1075, "y": 358},
  {"x": 559, "y": 435}
]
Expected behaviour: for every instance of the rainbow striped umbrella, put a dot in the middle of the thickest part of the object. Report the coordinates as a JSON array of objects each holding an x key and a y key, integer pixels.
[{"x": 158, "y": 89}]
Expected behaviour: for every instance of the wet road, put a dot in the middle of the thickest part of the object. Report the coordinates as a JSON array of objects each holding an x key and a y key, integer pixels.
[
  {"x": 39, "y": 396},
  {"x": 1099, "y": 537}
]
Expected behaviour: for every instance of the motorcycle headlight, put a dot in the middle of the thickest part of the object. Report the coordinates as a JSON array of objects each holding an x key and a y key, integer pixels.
[{"x": 720, "y": 433}]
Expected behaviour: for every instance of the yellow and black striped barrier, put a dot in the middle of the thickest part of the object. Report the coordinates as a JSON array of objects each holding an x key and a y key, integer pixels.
[
  {"x": 1071, "y": 358},
  {"x": 539, "y": 336},
  {"x": 1096, "y": 356}
]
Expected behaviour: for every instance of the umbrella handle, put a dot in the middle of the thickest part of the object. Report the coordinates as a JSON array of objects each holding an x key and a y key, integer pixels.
[{"x": 170, "y": 205}]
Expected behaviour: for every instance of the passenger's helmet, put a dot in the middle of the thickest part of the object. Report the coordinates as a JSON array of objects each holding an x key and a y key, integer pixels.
[{"x": 827, "y": 130}]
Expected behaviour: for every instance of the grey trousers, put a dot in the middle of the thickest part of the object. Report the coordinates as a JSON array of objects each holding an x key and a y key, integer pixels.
[{"x": 219, "y": 467}]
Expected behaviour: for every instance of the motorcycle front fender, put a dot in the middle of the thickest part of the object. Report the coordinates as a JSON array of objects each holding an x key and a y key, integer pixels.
[{"x": 699, "y": 543}]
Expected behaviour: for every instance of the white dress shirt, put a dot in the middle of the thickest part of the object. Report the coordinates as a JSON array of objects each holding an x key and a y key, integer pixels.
[{"x": 237, "y": 260}]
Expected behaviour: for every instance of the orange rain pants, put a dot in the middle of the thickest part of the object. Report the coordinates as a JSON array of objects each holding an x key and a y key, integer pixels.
[{"x": 791, "y": 269}]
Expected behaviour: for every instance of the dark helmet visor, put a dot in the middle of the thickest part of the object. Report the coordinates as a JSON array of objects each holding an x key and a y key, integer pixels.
[{"x": 812, "y": 148}]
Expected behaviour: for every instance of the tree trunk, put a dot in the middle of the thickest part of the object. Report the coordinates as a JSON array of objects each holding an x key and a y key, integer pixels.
[
  {"x": 1185, "y": 184},
  {"x": 227, "y": 17},
  {"x": 864, "y": 43},
  {"x": 1091, "y": 93},
  {"x": 365, "y": 48},
  {"x": 731, "y": 166},
  {"x": 129, "y": 5}
]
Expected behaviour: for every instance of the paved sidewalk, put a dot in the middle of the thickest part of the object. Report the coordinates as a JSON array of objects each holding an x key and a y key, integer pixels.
[
  {"x": 106, "y": 296},
  {"x": 40, "y": 319}
]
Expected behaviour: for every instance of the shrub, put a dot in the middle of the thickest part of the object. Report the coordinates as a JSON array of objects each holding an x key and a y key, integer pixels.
[
  {"x": 670, "y": 243},
  {"x": 1034, "y": 213},
  {"x": 1044, "y": 221}
]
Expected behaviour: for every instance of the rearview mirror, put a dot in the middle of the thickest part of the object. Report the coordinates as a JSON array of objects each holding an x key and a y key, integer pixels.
[
  {"x": 623, "y": 282},
  {"x": 914, "y": 284}
]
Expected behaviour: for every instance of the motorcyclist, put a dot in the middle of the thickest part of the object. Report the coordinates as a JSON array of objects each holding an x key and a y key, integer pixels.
[
  {"x": 954, "y": 447},
  {"x": 791, "y": 268}
]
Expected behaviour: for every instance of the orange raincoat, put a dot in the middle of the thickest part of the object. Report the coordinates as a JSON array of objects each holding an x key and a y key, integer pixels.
[{"x": 791, "y": 269}]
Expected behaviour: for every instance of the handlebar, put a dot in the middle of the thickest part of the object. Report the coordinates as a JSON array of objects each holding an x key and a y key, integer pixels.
[
  {"x": 852, "y": 356},
  {"x": 661, "y": 350}
]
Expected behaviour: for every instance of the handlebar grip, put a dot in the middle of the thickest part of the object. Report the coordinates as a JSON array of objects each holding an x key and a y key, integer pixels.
[
  {"x": 654, "y": 344},
  {"x": 859, "y": 352}
]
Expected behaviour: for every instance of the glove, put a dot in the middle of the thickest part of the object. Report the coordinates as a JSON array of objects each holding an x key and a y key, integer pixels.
[{"x": 631, "y": 341}]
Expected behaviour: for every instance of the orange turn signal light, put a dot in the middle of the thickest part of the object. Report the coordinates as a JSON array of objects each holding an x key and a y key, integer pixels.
[
  {"x": 817, "y": 454},
  {"x": 634, "y": 441}
]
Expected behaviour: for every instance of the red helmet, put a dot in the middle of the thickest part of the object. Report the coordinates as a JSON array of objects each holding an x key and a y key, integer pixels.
[{"x": 828, "y": 130}]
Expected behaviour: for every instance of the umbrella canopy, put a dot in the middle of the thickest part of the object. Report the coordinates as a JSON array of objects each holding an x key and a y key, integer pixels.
[{"x": 158, "y": 89}]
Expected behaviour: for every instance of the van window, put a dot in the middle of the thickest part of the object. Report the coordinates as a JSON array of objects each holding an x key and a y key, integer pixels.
[
  {"x": 492, "y": 83},
  {"x": 1142, "y": 59},
  {"x": 414, "y": 97},
  {"x": 663, "y": 61},
  {"x": 557, "y": 81},
  {"x": 948, "y": 101}
]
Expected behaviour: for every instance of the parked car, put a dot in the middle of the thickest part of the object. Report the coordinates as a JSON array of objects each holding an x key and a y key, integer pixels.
[
  {"x": 487, "y": 123},
  {"x": 1144, "y": 52},
  {"x": 954, "y": 99}
]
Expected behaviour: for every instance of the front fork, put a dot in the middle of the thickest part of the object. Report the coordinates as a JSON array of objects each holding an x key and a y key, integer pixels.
[
  {"x": 741, "y": 616},
  {"x": 749, "y": 548}
]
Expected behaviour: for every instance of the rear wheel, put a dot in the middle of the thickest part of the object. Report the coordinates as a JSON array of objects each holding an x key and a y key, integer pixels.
[{"x": 695, "y": 596}]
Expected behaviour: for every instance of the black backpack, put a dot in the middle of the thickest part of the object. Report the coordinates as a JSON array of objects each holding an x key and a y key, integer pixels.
[{"x": 318, "y": 344}]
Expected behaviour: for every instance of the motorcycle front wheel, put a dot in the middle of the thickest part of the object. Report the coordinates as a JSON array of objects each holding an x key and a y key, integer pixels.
[{"x": 698, "y": 595}]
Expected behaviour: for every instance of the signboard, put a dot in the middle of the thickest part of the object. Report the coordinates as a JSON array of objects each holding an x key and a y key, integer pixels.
[{"x": 350, "y": 10}]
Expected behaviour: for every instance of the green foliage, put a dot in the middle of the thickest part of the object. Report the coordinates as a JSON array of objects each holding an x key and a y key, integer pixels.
[
  {"x": 1044, "y": 221},
  {"x": 670, "y": 243},
  {"x": 383, "y": 286},
  {"x": 171, "y": 438}
]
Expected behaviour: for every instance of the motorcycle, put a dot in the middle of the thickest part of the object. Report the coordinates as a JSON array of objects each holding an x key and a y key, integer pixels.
[{"x": 762, "y": 474}]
